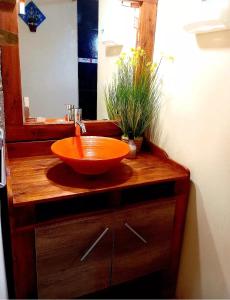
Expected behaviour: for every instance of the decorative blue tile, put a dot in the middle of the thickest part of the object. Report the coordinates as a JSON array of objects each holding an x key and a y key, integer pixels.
[{"x": 33, "y": 16}]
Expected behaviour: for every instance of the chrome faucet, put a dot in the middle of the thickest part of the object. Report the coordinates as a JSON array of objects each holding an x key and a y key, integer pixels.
[
  {"x": 70, "y": 112},
  {"x": 79, "y": 125}
]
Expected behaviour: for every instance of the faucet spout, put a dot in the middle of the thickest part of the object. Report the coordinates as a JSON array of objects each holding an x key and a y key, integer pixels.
[{"x": 81, "y": 126}]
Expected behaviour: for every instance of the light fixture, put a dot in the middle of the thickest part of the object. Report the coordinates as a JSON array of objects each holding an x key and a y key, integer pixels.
[
  {"x": 22, "y": 5},
  {"x": 132, "y": 3},
  {"x": 207, "y": 16}
]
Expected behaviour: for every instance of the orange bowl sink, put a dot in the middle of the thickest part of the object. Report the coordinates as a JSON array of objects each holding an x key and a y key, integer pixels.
[{"x": 90, "y": 155}]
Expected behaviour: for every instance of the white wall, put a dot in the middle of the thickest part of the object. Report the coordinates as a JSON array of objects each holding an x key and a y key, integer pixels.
[
  {"x": 49, "y": 59},
  {"x": 195, "y": 130},
  {"x": 118, "y": 23}
]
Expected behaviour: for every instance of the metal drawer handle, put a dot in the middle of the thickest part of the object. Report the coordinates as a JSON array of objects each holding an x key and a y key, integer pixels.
[
  {"x": 94, "y": 244},
  {"x": 136, "y": 233}
]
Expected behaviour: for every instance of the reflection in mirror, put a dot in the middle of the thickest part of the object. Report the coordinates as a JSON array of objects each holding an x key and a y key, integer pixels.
[{"x": 52, "y": 73}]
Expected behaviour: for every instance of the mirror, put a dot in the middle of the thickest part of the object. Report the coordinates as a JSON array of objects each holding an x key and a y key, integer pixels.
[{"x": 72, "y": 56}]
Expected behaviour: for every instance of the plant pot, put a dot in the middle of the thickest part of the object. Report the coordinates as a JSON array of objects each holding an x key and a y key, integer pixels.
[{"x": 138, "y": 141}]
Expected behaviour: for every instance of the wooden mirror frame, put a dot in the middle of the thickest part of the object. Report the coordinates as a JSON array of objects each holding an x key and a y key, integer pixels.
[{"x": 16, "y": 130}]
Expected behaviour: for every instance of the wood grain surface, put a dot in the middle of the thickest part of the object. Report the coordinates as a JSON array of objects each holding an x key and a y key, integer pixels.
[
  {"x": 42, "y": 178},
  {"x": 19, "y": 133},
  {"x": 147, "y": 27},
  {"x": 37, "y": 179},
  {"x": 7, "y": 38},
  {"x": 133, "y": 257},
  {"x": 59, "y": 248},
  {"x": 8, "y": 16},
  {"x": 12, "y": 2}
]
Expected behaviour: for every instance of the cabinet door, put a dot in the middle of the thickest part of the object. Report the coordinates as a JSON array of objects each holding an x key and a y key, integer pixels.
[
  {"x": 74, "y": 257},
  {"x": 142, "y": 240}
]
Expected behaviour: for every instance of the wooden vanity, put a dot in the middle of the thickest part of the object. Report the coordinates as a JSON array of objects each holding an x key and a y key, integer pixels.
[{"x": 74, "y": 235}]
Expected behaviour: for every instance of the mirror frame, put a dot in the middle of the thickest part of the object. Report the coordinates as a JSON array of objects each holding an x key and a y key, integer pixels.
[{"x": 16, "y": 130}]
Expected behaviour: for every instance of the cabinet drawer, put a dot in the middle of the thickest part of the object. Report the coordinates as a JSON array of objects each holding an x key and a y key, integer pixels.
[
  {"x": 66, "y": 266},
  {"x": 142, "y": 240}
]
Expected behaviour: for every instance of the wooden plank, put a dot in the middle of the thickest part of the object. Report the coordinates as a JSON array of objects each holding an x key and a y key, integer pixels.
[
  {"x": 24, "y": 265},
  {"x": 151, "y": 1},
  {"x": 11, "y": 77},
  {"x": 21, "y": 132},
  {"x": 46, "y": 178},
  {"x": 182, "y": 188},
  {"x": 142, "y": 240},
  {"x": 58, "y": 131},
  {"x": 25, "y": 149},
  {"x": 147, "y": 27},
  {"x": 13, "y": 2},
  {"x": 8, "y": 17},
  {"x": 63, "y": 269},
  {"x": 11, "y": 80}
]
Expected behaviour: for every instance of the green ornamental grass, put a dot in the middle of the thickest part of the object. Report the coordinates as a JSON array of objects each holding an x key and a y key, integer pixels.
[{"x": 132, "y": 97}]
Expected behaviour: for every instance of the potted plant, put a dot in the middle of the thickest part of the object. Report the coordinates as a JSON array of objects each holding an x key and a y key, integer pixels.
[{"x": 132, "y": 96}]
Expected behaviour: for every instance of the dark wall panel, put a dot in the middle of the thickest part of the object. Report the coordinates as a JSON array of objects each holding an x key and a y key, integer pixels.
[{"x": 88, "y": 52}]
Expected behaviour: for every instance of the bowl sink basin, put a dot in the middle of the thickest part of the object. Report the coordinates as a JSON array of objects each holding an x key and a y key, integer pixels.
[{"x": 90, "y": 155}]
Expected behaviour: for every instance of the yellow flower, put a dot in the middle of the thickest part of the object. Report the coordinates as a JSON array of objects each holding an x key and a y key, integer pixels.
[
  {"x": 133, "y": 61},
  {"x": 153, "y": 67},
  {"x": 148, "y": 64},
  {"x": 142, "y": 52},
  {"x": 119, "y": 62}
]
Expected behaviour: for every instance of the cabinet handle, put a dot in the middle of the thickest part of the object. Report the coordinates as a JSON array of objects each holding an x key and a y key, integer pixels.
[
  {"x": 94, "y": 244},
  {"x": 136, "y": 233}
]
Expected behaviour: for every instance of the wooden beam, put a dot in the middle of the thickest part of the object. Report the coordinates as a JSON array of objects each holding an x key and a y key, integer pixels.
[
  {"x": 8, "y": 17},
  {"x": 11, "y": 75},
  {"x": 147, "y": 26},
  {"x": 132, "y": 3},
  {"x": 22, "y": 132},
  {"x": 151, "y": 1},
  {"x": 8, "y": 1}
]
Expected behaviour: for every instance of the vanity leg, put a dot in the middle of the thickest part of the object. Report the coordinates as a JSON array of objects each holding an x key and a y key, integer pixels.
[{"x": 24, "y": 265}]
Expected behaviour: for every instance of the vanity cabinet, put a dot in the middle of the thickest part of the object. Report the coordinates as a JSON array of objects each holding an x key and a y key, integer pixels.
[
  {"x": 143, "y": 236},
  {"x": 73, "y": 236},
  {"x": 66, "y": 268},
  {"x": 88, "y": 254}
]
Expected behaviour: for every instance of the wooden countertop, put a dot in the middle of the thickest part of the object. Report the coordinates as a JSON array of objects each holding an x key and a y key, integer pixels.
[{"x": 36, "y": 175}]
